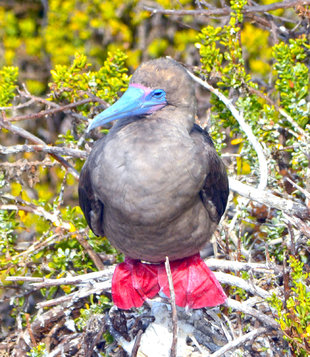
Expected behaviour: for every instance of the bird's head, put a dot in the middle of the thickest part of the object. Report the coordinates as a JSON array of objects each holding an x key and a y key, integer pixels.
[{"x": 161, "y": 84}]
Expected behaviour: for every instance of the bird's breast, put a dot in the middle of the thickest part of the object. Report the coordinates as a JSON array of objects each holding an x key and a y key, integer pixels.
[{"x": 149, "y": 178}]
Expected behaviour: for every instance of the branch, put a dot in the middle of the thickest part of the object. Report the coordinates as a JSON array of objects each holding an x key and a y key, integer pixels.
[
  {"x": 83, "y": 279},
  {"x": 39, "y": 211},
  {"x": 19, "y": 106},
  {"x": 239, "y": 306},
  {"x": 93, "y": 255},
  {"x": 263, "y": 168},
  {"x": 242, "y": 266},
  {"x": 51, "y": 111},
  {"x": 239, "y": 341},
  {"x": 173, "y": 350},
  {"x": 99, "y": 288},
  {"x": 267, "y": 198},
  {"x": 25, "y": 134},
  {"x": 43, "y": 148},
  {"x": 227, "y": 10},
  {"x": 232, "y": 280}
]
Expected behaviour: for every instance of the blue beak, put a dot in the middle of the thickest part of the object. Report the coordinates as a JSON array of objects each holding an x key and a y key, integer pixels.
[{"x": 136, "y": 101}]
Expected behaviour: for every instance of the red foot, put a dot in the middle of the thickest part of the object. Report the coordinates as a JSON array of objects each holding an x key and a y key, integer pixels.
[{"x": 194, "y": 283}]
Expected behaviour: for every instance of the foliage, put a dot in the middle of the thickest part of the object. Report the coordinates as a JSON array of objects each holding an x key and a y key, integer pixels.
[
  {"x": 38, "y": 351},
  {"x": 70, "y": 83},
  {"x": 8, "y": 84},
  {"x": 293, "y": 78},
  {"x": 294, "y": 315},
  {"x": 95, "y": 308}
]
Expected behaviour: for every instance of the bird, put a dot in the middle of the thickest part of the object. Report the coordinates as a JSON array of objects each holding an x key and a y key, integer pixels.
[{"x": 156, "y": 188}]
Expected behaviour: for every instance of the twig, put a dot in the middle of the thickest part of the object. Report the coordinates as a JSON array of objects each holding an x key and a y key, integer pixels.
[
  {"x": 299, "y": 223},
  {"x": 93, "y": 255},
  {"x": 245, "y": 266},
  {"x": 239, "y": 306},
  {"x": 33, "y": 340},
  {"x": 239, "y": 341},
  {"x": 263, "y": 167},
  {"x": 19, "y": 106},
  {"x": 43, "y": 148},
  {"x": 25, "y": 134},
  {"x": 71, "y": 280},
  {"x": 80, "y": 294},
  {"x": 136, "y": 346},
  {"x": 227, "y": 10},
  {"x": 173, "y": 351},
  {"x": 40, "y": 211},
  {"x": 302, "y": 190},
  {"x": 106, "y": 274},
  {"x": 267, "y": 198},
  {"x": 241, "y": 283},
  {"x": 51, "y": 111}
]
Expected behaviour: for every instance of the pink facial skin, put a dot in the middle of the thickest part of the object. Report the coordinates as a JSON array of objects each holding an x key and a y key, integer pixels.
[{"x": 147, "y": 91}]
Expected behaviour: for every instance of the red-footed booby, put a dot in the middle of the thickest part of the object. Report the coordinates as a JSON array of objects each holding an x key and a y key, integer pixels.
[{"x": 156, "y": 188}]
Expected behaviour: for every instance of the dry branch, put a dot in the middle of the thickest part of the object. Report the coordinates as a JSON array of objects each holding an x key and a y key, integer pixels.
[
  {"x": 239, "y": 341},
  {"x": 49, "y": 112},
  {"x": 43, "y": 148},
  {"x": 93, "y": 255},
  {"x": 83, "y": 279},
  {"x": 173, "y": 351},
  {"x": 290, "y": 207},
  {"x": 236, "y": 266},
  {"x": 39, "y": 211},
  {"x": 225, "y": 11},
  {"x": 241, "y": 283},
  {"x": 25, "y": 134},
  {"x": 246, "y": 309}
]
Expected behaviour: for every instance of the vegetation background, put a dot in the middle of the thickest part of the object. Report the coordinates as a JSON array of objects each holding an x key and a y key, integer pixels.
[{"x": 62, "y": 62}]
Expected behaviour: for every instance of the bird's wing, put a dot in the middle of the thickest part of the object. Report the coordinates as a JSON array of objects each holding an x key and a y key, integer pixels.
[
  {"x": 91, "y": 206},
  {"x": 214, "y": 193}
]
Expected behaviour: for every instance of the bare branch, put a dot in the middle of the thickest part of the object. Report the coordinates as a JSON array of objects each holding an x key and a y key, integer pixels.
[
  {"x": 239, "y": 341},
  {"x": 242, "y": 266},
  {"x": 239, "y": 306},
  {"x": 173, "y": 351},
  {"x": 25, "y": 134},
  {"x": 19, "y": 106},
  {"x": 241, "y": 283},
  {"x": 93, "y": 255},
  {"x": 219, "y": 12},
  {"x": 51, "y": 111},
  {"x": 267, "y": 198},
  {"x": 99, "y": 288},
  {"x": 39, "y": 211},
  {"x": 43, "y": 148},
  {"x": 83, "y": 279}
]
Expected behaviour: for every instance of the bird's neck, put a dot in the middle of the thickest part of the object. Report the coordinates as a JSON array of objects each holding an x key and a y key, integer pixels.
[{"x": 170, "y": 117}]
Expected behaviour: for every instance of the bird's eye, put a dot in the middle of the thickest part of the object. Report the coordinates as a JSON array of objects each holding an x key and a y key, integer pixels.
[{"x": 158, "y": 93}]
